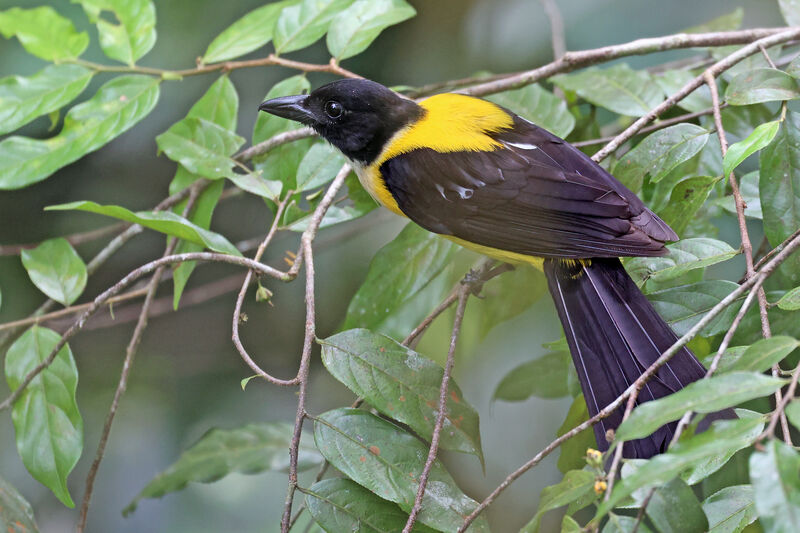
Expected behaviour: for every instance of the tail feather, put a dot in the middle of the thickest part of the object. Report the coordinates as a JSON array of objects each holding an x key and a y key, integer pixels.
[{"x": 614, "y": 334}]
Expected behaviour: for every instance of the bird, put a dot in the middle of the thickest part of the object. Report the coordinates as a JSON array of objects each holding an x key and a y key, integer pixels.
[{"x": 477, "y": 173}]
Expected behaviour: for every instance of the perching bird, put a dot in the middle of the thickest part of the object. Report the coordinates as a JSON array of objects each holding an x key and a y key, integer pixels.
[{"x": 478, "y": 174}]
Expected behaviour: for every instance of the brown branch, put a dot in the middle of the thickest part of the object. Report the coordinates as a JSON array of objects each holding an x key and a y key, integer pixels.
[
  {"x": 273, "y": 142},
  {"x": 75, "y": 239}
]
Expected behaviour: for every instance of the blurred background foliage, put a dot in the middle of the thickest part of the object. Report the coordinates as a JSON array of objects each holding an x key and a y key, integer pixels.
[{"x": 186, "y": 380}]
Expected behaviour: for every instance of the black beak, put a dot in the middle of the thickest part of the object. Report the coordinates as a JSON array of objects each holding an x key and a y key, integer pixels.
[{"x": 291, "y": 107}]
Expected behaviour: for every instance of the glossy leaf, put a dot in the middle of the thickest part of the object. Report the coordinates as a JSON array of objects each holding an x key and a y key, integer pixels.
[
  {"x": 731, "y": 509},
  {"x": 659, "y": 153},
  {"x": 540, "y": 106},
  {"x": 117, "y": 106},
  {"x": 25, "y": 98},
  {"x": 301, "y": 25},
  {"x": 163, "y": 221},
  {"x": 576, "y": 484},
  {"x": 761, "y": 355},
  {"x": 248, "y": 33},
  {"x": 748, "y": 187},
  {"x": 255, "y": 184},
  {"x": 354, "y": 29},
  {"x": 790, "y": 301},
  {"x": 318, "y": 166},
  {"x": 684, "y": 256},
  {"x": 399, "y": 270},
  {"x": 724, "y": 436},
  {"x": 672, "y": 81},
  {"x": 48, "y": 426},
  {"x": 16, "y": 514},
  {"x": 682, "y": 307},
  {"x": 401, "y": 384},
  {"x": 790, "y": 9},
  {"x": 776, "y": 485},
  {"x": 704, "y": 396},
  {"x": 43, "y": 33},
  {"x": 738, "y": 152},
  {"x": 572, "y": 454},
  {"x": 131, "y": 34},
  {"x": 250, "y": 449},
  {"x": 219, "y": 104},
  {"x": 674, "y": 508},
  {"x": 544, "y": 377},
  {"x": 56, "y": 269},
  {"x": 685, "y": 200},
  {"x": 387, "y": 461},
  {"x": 619, "y": 88},
  {"x": 201, "y": 146},
  {"x": 342, "y": 505},
  {"x": 779, "y": 188},
  {"x": 761, "y": 85}
]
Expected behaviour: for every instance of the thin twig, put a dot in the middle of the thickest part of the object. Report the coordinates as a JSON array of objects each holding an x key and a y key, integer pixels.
[
  {"x": 75, "y": 239},
  {"x": 273, "y": 142}
]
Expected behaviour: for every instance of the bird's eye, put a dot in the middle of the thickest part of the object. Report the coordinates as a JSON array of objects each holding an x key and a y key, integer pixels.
[{"x": 333, "y": 109}]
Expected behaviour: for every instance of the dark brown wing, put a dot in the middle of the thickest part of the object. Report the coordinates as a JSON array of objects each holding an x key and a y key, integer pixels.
[{"x": 538, "y": 196}]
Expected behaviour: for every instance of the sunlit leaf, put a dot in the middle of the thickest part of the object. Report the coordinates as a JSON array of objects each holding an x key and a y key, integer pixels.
[
  {"x": 403, "y": 385},
  {"x": 131, "y": 34},
  {"x": 761, "y": 85},
  {"x": 117, "y": 106},
  {"x": 248, "y": 33},
  {"x": 318, "y": 166},
  {"x": 731, "y": 509},
  {"x": 540, "y": 106},
  {"x": 776, "y": 485},
  {"x": 354, "y": 29},
  {"x": 219, "y": 104},
  {"x": 619, "y": 88},
  {"x": 738, "y": 152},
  {"x": 703, "y": 396},
  {"x": 56, "y": 269},
  {"x": 665, "y": 503},
  {"x": 341, "y": 505},
  {"x": 573, "y": 452},
  {"x": 48, "y": 426},
  {"x": 790, "y": 301},
  {"x": 301, "y": 25},
  {"x": 250, "y": 449},
  {"x": 386, "y": 460},
  {"x": 672, "y": 81},
  {"x": 16, "y": 514},
  {"x": 575, "y": 485},
  {"x": 43, "y": 33},
  {"x": 163, "y": 221},
  {"x": 25, "y": 98},
  {"x": 544, "y": 377},
  {"x": 201, "y": 146},
  {"x": 685, "y": 200},
  {"x": 684, "y": 256}
]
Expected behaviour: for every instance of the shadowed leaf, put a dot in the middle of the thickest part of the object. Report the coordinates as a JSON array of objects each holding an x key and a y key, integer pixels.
[
  {"x": 575, "y": 485},
  {"x": 761, "y": 85},
  {"x": 684, "y": 256},
  {"x": 540, "y": 106},
  {"x": 674, "y": 508},
  {"x": 16, "y": 514},
  {"x": 730, "y": 510},
  {"x": 354, "y": 29},
  {"x": 776, "y": 486},
  {"x": 544, "y": 377}
]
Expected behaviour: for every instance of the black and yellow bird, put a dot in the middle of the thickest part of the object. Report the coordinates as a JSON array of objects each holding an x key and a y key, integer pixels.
[{"x": 480, "y": 175}]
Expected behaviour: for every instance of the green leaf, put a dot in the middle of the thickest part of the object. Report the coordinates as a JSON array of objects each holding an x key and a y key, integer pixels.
[
  {"x": 201, "y": 146},
  {"x": 723, "y": 437},
  {"x": 354, "y": 29},
  {"x": 682, "y": 307},
  {"x": 387, "y": 461},
  {"x": 761, "y": 355},
  {"x": 341, "y": 505},
  {"x": 301, "y": 25},
  {"x": 573, "y": 452},
  {"x": 163, "y": 221},
  {"x": 318, "y": 166},
  {"x": 117, "y": 106},
  {"x": 250, "y": 449},
  {"x": 659, "y": 153},
  {"x": 575, "y": 485},
  {"x": 790, "y": 9},
  {"x": 728, "y": 22},
  {"x": 748, "y": 187},
  {"x": 623, "y": 524},
  {"x": 507, "y": 296},
  {"x": 219, "y": 104},
  {"x": 676, "y": 495},
  {"x": 540, "y": 106},
  {"x": 618, "y": 88},
  {"x": 16, "y": 514},
  {"x": 56, "y": 269},
  {"x": 731, "y": 509},
  {"x": 776, "y": 485},
  {"x": 544, "y": 377},
  {"x": 48, "y": 90},
  {"x": 569, "y": 525},
  {"x": 403, "y": 385},
  {"x": 754, "y": 142},
  {"x": 793, "y": 413},
  {"x": 48, "y": 426},
  {"x": 761, "y": 85},
  {"x": 43, "y": 33},
  {"x": 703, "y": 396},
  {"x": 671, "y": 81},
  {"x": 684, "y": 256},
  {"x": 779, "y": 189},
  {"x": 399, "y": 270},
  {"x": 790, "y": 301},
  {"x": 248, "y": 33},
  {"x": 133, "y": 32},
  {"x": 685, "y": 200},
  {"x": 255, "y": 184}
]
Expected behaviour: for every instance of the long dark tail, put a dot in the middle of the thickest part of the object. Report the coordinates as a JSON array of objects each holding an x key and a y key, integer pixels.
[{"x": 614, "y": 334}]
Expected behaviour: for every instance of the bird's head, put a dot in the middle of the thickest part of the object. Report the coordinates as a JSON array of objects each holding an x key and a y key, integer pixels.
[{"x": 357, "y": 116}]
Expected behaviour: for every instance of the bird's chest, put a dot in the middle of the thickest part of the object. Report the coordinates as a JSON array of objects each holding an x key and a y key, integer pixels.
[{"x": 372, "y": 181}]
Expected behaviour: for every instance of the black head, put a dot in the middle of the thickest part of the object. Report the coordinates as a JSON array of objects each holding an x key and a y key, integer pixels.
[{"x": 356, "y": 116}]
